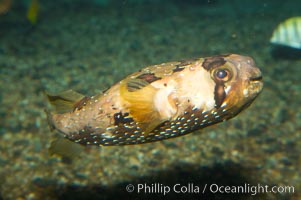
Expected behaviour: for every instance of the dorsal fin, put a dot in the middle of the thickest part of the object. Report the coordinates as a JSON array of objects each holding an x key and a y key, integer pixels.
[
  {"x": 139, "y": 97},
  {"x": 65, "y": 101}
]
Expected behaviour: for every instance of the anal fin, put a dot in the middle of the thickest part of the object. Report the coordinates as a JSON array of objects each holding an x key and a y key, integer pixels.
[{"x": 65, "y": 148}]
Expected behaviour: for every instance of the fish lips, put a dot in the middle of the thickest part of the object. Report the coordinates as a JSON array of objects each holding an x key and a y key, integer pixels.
[{"x": 255, "y": 86}]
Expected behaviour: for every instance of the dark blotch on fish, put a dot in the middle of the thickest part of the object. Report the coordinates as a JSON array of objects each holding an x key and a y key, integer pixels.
[
  {"x": 213, "y": 62},
  {"x": 219, "y": 94},
  {"x": 181, "y": 66},
  {"x": 120, "y": 118},
  {"x": 149, "y": 77},
  {"x": 178, "y": 68}
]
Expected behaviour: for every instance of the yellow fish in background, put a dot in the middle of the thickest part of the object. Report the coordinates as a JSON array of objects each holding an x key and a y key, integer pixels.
[
  {"x": 5, "y": 5},
  {"x": 33, "y": 11},
  {"x": 288, "y": 33}
]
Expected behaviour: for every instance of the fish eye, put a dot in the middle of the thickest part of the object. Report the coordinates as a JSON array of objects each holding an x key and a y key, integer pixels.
[{"x": 222, "y": 74}]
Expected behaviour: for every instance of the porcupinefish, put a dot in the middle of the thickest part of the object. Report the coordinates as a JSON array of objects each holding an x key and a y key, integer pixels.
[
  {"x": 159, "y": 102},
  {"x": 288, "y": 33}
]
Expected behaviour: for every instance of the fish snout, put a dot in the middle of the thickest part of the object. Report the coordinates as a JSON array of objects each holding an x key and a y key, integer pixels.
[{"x": 255, "y": 83}]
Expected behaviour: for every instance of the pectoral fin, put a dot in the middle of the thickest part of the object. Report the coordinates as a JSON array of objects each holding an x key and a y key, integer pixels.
[{"x": 138, "y": 96}]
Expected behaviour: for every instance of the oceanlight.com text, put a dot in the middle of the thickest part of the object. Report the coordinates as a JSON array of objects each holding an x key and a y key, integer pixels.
[{"x": 250, "y": 189}]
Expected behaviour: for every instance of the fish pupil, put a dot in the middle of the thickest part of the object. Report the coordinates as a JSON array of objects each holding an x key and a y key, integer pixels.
[{"x": 221, "y": 74}]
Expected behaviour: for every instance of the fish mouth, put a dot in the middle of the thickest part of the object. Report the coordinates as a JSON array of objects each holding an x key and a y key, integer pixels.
[
  {"x": 256, "y": 84},
  {"x": 256, "y": 79}
]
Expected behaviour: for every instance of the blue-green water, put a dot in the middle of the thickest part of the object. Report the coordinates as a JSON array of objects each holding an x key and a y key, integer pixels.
[{"x": 89, "y": 45}]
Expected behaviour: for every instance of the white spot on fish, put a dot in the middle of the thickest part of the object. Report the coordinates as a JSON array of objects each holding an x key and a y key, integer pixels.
[
  {"x": 227, "y": 89},
  {"x": 107, "y": 136},
  {"x": 224, "y": 105},
  {"x": 246, "y": 92}
]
